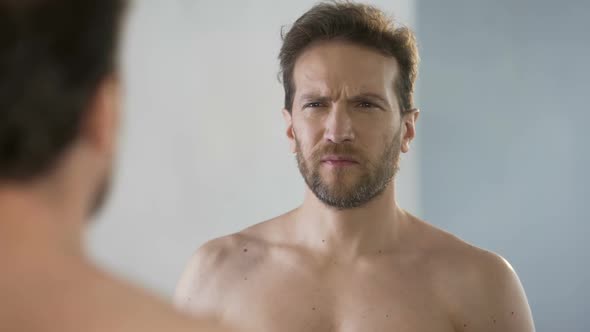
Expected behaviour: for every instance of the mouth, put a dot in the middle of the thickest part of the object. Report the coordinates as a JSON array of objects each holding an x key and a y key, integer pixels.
[{"x": 339, "y": 161}]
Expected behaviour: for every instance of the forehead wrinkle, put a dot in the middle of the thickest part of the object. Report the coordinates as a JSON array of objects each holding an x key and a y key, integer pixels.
[{"x": 314, "y": 73}]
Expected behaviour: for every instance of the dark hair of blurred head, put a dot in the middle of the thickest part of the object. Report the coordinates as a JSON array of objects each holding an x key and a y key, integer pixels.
[{"x": 54, "y": 54}]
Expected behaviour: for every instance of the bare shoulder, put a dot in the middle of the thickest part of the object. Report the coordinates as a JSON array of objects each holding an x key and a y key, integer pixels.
[
  {"x": 114, "y": 297},
  {"x": 233, "y": 252},
  {"x": 79, "y": 297},
  {"x": 218, "y": 266},
  {"x": 480, "y": 288}
]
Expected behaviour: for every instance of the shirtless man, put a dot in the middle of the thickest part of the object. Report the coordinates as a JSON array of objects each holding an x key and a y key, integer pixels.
[
  {"x": 59, "y": 97},
  {"x": 349, "y": 258}
]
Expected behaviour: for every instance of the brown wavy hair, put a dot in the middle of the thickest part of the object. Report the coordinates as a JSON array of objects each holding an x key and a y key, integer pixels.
[{"x": 357, "y": 23}]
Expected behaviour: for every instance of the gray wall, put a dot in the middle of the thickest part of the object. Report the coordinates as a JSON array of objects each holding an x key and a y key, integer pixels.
[
  {"x": 504, "y": 135},
  {"x": 203, "y": 149}
]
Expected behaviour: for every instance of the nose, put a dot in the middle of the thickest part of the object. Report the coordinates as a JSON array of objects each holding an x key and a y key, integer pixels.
[{"x": 338, "y": 125}]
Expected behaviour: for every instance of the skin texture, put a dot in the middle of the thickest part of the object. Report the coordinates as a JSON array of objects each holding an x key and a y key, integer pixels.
[
  {"x": 370, "y": 268},
  {"x": 46, "y": 282}
]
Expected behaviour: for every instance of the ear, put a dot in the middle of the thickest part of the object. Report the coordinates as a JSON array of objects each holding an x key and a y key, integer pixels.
[
  {"x": 100, "y": 125},
  {"x": 288, "y": 117},
  {"x": 409, "y": 120}
]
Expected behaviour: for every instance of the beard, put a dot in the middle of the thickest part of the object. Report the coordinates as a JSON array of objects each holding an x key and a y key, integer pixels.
[
  {"x": 351, "y": 187},
  {"x": 100, "y": 197}
]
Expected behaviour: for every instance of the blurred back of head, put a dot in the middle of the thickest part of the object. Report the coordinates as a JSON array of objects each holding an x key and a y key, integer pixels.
[{"x": 54, "y": 56}]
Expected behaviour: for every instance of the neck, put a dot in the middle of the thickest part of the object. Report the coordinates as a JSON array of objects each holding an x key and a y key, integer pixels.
[
  {"x": 370, "y": 229},
  {"x": 35, "y": 221}
]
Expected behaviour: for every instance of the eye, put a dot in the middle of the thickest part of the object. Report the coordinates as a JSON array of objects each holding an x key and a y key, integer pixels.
[
  {"x": 366, "y": 106},
  {"x": 313, "y": 105}
]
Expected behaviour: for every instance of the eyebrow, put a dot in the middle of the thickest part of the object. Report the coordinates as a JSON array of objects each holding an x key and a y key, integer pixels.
[
  {"x": 320, "y": 98},
  {"x": 372, "y": 96},
  {"x": 314, "y": 97}
]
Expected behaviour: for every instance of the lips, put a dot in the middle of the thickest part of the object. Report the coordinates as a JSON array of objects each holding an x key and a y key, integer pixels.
[{"x": 337, "y": 160}]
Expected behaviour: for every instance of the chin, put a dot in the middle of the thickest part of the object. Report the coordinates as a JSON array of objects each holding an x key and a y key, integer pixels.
[{"x": 341, "y": 179}]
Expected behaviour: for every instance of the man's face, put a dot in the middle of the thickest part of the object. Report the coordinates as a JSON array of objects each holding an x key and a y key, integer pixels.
[{"x": 345, "y": 126}]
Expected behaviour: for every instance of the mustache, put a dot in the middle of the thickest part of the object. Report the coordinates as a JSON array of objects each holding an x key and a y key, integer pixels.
[{"x": 336, "y": 149}]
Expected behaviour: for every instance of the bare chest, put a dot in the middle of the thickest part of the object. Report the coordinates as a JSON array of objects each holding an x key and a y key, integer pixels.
[{"x": 379, "y": 301}]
